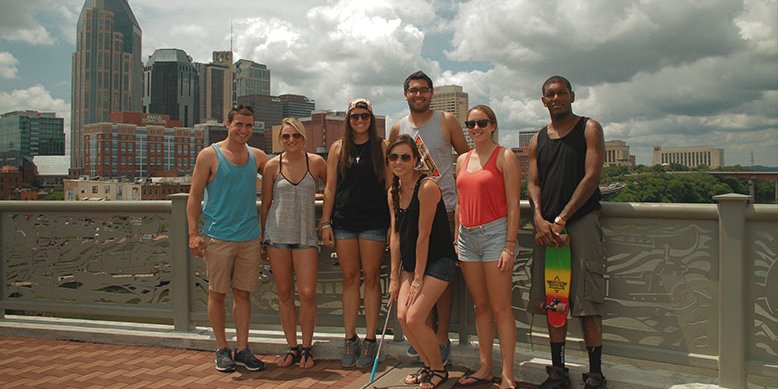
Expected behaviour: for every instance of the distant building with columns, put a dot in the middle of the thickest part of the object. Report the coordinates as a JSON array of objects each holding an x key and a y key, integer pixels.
[
  {"x": 691, "y": 157},
  {"x": 617, "y": 154}
]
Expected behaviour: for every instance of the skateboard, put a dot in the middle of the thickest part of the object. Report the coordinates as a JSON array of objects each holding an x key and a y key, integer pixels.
[{"x": 557, "y": 285}]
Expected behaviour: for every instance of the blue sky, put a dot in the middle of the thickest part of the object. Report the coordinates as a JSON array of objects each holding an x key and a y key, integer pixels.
[{"x": 653, "y": 72}]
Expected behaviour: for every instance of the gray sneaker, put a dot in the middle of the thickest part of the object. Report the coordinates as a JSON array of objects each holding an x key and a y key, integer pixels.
[
  {"x": 351, "y": 350},
  {"x": 224, "y": 360},
  {"x": 367, "y": 356},
  {"x": 247, "y": 359}
]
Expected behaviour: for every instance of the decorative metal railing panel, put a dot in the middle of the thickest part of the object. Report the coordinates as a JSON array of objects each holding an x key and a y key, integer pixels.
[{"x": 762, "y": 251}]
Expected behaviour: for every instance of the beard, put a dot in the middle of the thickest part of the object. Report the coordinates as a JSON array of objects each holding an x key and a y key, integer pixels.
[{"x": 419, "y": 108}]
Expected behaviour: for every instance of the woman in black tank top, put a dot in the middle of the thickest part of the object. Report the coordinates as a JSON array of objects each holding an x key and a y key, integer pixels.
[{"x": 423, "y": 258}]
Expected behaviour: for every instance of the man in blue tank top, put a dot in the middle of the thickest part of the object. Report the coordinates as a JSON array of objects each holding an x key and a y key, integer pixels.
[
  {"x": 565, "y": 163},
  {"x": 435, "y": 133},
  {"x": 224, "y": 180}
]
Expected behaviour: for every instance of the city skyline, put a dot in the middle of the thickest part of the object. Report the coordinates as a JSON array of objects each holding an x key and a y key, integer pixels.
[{"x": 668, "y": 74}]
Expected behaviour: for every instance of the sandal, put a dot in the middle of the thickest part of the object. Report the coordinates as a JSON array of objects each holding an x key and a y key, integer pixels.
[
  {"x": 305, "y": 357},
  {"x": 294, "y": 354},
  {"x": 470, "y": 380},
  {"x": 433, "y": 374},
  {"x": 417, "y": 377}
]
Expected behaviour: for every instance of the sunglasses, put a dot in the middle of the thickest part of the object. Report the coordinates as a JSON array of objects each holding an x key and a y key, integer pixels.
[
  {"x": 481, "y": 123},
  {"x": 364, "y": 116},
  {"x": 295, "y": 135},
  {"x": 405, "y": 157}
]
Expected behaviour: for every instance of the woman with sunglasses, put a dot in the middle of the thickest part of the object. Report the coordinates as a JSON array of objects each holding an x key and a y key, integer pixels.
[
  {"x": 423, "y": 260},
  {"x": 289, "y": 185},
  {"x": 354, "y": 220},
  {"x": 488, "y": 180}
]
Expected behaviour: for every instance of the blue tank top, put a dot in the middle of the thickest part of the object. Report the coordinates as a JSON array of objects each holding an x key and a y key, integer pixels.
[{"x": 230, "y": 204}]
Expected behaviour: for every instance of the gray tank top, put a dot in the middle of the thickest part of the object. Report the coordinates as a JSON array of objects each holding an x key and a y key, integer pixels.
[
  {"x": 436, "y": 154},
  {"x": 292, "y": 218}
]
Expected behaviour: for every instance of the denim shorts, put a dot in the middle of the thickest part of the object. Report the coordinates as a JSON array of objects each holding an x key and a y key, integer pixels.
[
  {"x": 377, "y": 234},
  {"x": 289, "y": 246},
  {"x": 482, "y": 243},
  {"x": 442, "y": 269}
]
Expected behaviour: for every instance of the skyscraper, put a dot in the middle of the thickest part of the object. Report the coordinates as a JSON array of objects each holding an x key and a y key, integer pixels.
[
  {"x": 26, "y": 134},
  {"x": 453, "y": 99},
  {"x": 251, "y": 78},
  {"x": 296, "y": 106},
  {"x": 215, "y": 97},
  {"x": 171, "y": 86},
  {"x": 107, "y": 69}
]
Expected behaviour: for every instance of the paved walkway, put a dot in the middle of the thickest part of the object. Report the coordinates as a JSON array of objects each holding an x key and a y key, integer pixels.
[{"x": 44, "y": 363}]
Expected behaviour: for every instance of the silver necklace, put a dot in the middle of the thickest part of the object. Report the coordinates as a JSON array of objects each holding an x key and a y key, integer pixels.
[{"x": 359, "y": 155}]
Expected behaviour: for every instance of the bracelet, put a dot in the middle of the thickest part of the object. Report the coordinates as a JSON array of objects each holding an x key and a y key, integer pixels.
[
  {"x": 511, "y": 253},
  {"x": 324, "y": 222},
  {"x": 325, "y": 226},
  {"x": 416, "y": 284},
  {"x": 510, "y": 241}
]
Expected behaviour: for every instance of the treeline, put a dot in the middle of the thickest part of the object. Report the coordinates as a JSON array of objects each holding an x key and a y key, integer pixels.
[{"x": 680, "y": 184}]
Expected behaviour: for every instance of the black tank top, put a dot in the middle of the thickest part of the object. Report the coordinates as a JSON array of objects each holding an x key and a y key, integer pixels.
[
  {"x": 561, "y": 166},
  {"x": 360, "y": 196},
  {"x": 441, "y": 243}
]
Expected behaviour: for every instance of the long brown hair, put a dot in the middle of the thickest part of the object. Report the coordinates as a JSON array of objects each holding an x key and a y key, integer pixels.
[
  {"x": 374, "y": 142},
  {"x": 395, "y": 189}
]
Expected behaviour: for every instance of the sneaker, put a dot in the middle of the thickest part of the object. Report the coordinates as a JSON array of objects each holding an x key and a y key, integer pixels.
[
  {"x": 224, "y": 360},
  {"x": 247, "y": 359},
  {"x": 412, "y": 352},
  {"x": 351, "y": 350},
  {"x": 594, "y": 381},
  {"x": 367, "y": 356},
  {"x": 444, "y": 352},
  {"x": 558, "y": 378}
]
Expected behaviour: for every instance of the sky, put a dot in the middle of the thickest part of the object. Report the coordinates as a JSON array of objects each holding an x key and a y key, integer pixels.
[{"x": 652, "y": 72}]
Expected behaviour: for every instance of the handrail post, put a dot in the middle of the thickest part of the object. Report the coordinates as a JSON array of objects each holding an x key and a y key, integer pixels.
[
  {"x": 733, "y": 295},
  {"x": 181, "y": 272}
]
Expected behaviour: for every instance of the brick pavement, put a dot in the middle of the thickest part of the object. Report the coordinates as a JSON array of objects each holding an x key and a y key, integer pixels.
[
  {"x": 49, "y": 363},
  {"x": 44, "y": 363}
]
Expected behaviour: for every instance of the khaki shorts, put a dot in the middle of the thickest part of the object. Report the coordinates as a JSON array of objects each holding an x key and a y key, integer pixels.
[
  {"x": 587, "y": 285},
  {"x": 232, "y": 265}
]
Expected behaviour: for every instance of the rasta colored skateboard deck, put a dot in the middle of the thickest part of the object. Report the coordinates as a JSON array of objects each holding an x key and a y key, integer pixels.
[{"x": 557, "y": 285}]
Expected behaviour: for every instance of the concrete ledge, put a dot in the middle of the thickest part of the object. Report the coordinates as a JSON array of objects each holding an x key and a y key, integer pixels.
[{"x": 621, "y": 372}]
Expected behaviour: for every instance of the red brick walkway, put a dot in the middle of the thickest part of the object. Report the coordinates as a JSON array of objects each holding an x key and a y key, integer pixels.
[{"x": 42, "y": 363}]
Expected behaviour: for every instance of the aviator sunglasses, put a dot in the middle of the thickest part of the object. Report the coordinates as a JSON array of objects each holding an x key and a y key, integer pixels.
[
  {"x": 364, "y": 116},
  {"x": 405, "y": 157},
  {"x": 481, "y": 123},
  {"x": 295, "y": 135}
]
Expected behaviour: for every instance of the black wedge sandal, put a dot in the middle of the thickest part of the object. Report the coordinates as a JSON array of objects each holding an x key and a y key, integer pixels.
[
  {"x": 442, "y": 375},
  {"x": 306, "y": 355},
  {"x": 294, "y": 353}
]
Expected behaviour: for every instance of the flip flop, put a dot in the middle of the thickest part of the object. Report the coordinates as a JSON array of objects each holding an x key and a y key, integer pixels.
[{"x": 477, "y": 381}]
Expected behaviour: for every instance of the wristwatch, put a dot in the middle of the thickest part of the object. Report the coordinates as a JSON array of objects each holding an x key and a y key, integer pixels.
[{"x": 560, "y": 221}]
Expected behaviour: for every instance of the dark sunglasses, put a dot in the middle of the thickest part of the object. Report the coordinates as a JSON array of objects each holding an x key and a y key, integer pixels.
[
  {"x": 481, "y": 123},
  {"x": 405, "y": 157},
  {"x": 295, "y": 135},
  {"x": 364, "y": 116}
]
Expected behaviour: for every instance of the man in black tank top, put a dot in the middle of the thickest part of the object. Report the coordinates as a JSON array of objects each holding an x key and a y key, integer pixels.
[{"x": 565, "y": 164}]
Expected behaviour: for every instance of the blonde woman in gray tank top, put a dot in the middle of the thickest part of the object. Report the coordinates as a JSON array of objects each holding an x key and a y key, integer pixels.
[{"x": 289, "y": 185}]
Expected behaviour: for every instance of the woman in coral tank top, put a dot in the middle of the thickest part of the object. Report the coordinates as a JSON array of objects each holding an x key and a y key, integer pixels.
[{"x": 488, "y": 180}]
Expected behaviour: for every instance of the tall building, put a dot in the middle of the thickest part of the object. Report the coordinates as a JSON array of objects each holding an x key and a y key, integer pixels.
[
  {"x": 617, "y": 154},
  {"x": 250, "y": 78},
  {"x": 171, "y": 86},
  {"x": 453, "y": 99},
  {"x": 525, "y": 137},
  {"x": 107, "y": 68},
  {"x": 215, "y": 85},
  {"x": 692, "y": 157},
  {"x": 296, "y": 106},
  {"x": 26, "y": 134},
  {"x": 134, "y": 145}
]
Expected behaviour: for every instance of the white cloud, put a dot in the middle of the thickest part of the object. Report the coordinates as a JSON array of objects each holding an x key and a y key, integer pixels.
[{"x": 8, "y": 65}]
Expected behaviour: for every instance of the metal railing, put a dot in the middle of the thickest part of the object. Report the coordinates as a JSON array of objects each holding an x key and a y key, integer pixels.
[{"x": 691, "y": 284}]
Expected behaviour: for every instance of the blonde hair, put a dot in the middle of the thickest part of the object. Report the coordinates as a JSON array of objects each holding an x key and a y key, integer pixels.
[{"x": 295, "y": 123}]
